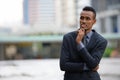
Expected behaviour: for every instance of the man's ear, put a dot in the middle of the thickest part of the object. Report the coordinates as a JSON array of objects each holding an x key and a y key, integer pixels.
[{"x": 94, "y": 21}]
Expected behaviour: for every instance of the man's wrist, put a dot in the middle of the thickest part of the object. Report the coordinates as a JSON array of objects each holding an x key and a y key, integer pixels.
[{"x": 80, "y": 46}]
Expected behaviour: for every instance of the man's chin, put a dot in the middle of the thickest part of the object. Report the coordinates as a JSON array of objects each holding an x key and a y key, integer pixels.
[{"x": 84, "y": 28}]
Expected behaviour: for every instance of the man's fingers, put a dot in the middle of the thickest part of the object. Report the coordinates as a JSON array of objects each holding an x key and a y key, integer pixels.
[
  {"x": 96, "y": 68},
  {"x": 81, "y": 30}
]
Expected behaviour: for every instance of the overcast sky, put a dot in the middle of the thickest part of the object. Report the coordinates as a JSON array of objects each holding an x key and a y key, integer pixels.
[{"x": 11, "y": 11}]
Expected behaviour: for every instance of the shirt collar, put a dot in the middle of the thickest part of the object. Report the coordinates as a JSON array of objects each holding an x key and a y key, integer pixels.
[{"x": 89, "y": 34}]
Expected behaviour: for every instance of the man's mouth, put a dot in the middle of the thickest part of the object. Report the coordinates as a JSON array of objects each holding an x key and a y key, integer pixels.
[{"x": 83, "y": 26}]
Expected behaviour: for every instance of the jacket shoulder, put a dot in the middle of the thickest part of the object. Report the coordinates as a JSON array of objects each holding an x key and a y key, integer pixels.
[
  {"x": 73, "y": 33},
  {"x": 99, "y": 36}
]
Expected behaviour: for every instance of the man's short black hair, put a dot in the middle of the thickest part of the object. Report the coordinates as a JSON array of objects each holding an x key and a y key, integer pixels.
[{"x": 88, "y": 8}]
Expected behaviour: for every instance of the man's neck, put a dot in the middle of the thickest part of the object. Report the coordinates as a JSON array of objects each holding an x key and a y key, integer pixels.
[{"x": 87, "y": 31}]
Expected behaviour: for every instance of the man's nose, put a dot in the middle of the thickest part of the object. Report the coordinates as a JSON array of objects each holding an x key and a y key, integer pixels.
[{"x": 84, "y": 20}]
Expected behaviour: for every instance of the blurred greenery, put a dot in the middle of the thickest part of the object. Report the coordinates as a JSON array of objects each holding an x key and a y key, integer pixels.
[{"x": 108, "y": 51}]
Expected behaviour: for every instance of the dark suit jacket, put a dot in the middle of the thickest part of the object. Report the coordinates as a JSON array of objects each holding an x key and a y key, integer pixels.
[{"x": 72, "y": 60}]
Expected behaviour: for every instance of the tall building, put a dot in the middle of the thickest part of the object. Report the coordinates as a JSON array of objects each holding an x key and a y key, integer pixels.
[
  {"x": 108, "y": 20},
  {"x": 53, "y": 14},
  {"x": 108, "y": 15},
  {"x": 39, "y": 11}
]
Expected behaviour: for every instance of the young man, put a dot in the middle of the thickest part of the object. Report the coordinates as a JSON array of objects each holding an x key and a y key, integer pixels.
[{"x": 83, "y": 49}]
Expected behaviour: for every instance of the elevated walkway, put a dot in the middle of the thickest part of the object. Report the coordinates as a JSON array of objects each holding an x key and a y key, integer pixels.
[{"x": 45, "y": 38}]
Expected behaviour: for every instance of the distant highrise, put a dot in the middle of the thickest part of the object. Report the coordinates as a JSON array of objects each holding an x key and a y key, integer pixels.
[
  {"x": 25, "y": 12},
  {"x": 108, "y": 15},
  {"x": 58, "y": 13},
  {"x": 39, "y": 11}
]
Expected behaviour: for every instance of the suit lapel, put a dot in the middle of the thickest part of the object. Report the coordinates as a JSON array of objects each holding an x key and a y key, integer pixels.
[{"x": 92, "y": 41}]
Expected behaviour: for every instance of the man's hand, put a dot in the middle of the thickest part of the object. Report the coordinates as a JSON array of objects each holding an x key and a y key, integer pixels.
[
  {"x": 81, "y": 33},
  {"x": 96, "y": 68}
]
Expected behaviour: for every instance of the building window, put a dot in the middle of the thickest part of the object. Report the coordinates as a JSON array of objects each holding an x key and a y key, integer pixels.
[
  {"x": 114, "y": 24},
  {"x": 113, "y": 2},
  {"x": 103, "y": 29}
]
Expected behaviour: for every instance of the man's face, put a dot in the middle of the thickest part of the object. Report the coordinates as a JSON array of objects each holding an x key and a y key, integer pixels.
[{"x": 87, "y": 20}]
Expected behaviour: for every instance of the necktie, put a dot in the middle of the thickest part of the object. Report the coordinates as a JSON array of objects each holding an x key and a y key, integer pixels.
[{"x": 85, "y": 40}]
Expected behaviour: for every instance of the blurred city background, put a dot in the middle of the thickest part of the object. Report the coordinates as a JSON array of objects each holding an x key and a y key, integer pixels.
[{"x": 31, "y": 33}]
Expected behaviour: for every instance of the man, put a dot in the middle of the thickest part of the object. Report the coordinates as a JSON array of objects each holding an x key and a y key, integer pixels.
[{"x": 83, "y": 49}]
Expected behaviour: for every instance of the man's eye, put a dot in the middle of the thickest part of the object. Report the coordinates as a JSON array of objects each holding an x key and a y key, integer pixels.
[
  {"x": 87, "y": 18},
  {"x": 82, "y": 18}
]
